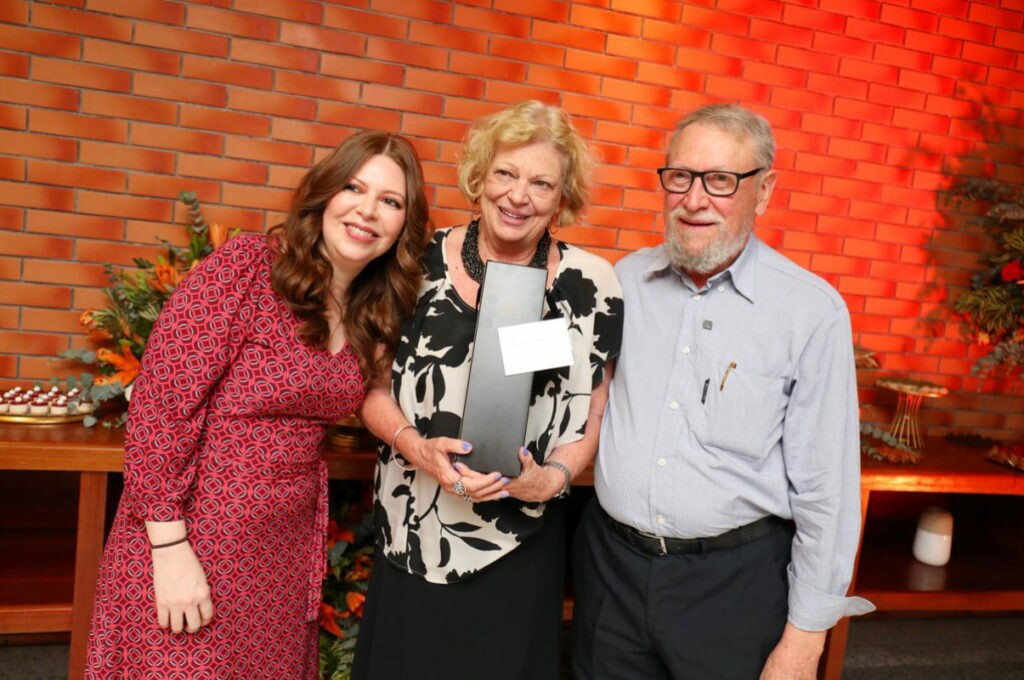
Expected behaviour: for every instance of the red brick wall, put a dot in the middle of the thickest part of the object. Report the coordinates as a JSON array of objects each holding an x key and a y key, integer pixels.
[{"x": 109, "y": 108}]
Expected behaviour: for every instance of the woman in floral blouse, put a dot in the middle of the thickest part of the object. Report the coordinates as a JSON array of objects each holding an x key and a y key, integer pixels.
[{"x": 471, "y": 577}]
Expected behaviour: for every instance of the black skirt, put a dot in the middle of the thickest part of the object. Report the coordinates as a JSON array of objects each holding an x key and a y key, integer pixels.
[{"x": 502, "y": 623}]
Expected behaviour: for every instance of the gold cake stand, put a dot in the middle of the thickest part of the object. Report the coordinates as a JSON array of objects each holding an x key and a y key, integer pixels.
[{"x": 906, "y": 423}]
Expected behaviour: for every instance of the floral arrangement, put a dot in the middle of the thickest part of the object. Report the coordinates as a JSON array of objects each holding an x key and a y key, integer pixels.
[
  {"x": 992, "y": 308},
  {"x": 120, "y": 331},
  {"x": 349, "y": 563}
]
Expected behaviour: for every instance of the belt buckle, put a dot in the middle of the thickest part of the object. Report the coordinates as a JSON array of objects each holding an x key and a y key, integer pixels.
[{"x": 661, "y": 544}]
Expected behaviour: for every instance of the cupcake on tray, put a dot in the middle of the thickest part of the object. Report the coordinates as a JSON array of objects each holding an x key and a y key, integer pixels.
[
  {"x": 18, "y": 406},
  {"x": 59, "y": 406},
  {"x": 40, "y": 406}
]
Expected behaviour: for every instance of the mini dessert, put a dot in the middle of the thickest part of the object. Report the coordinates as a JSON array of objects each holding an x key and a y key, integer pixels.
[
  {"x": 40, "y": 406},
  {"x": 19, "y": 406},
  {"x": 59, "y": 406}
]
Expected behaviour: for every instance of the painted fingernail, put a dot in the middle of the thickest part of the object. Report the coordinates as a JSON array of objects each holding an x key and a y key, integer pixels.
[
  {"x": 504, "y": 494},
  {"x": 465, "y": 446},
  {"x": 457, "y": 466},
  {"x": 505, "y": 480}
]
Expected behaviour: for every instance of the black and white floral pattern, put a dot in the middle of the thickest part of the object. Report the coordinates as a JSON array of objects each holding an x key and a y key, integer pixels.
[{"x": 420, "y": 528}]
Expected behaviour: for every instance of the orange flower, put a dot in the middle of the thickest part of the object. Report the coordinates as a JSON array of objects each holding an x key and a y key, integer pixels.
[
  {"x": 97, "y": 333},
  {"x": 355, "y": 600},
  {"x": 126, "y": 365},
  {"x": 87, "y": 319},
  {"x": 360, "y": 570},
  {"x": 984, "y": 338},
  {"x": 218, "y": 234},
  {"x": 336, "y": 533},
  {"x": 327, "y": 619},
  {"x": 167, "y": 277}
]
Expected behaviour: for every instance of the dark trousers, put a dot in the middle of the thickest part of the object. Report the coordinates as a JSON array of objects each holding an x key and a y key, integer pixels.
[
  {"x": 710, "y": 616},
  {"x": 503, "y": 623}
]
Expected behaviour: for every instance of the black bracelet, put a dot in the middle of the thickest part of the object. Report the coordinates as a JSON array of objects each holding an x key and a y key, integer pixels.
[{"x": 168, "y": 545}]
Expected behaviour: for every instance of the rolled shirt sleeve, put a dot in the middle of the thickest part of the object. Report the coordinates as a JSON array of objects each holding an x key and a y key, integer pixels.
[{"x": 821, "y": 449}]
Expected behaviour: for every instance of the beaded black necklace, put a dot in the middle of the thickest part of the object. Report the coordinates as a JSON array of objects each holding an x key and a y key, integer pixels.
[{"x": 471, "y": 252}]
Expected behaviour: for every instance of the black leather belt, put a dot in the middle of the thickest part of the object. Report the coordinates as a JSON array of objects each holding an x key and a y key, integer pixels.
[{"x": 659, "y": 545}]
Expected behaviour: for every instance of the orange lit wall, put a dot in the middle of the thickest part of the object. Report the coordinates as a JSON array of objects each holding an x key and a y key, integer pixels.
[{"x": 110, "y": 108}]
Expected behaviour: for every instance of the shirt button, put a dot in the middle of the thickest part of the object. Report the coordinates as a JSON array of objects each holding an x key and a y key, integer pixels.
[
  {"x": 674, "y": 405},
  {"x": 686, "y": 349},
  {"x": 661, "y": 462},
  {"x": 696, "y": 296},
  {"x": 661, "y": 520},
  {"x": 721, "y": 288}
]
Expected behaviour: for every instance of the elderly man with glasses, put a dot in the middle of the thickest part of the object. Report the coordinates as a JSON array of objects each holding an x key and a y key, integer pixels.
[{"x": 722, "y": 539}]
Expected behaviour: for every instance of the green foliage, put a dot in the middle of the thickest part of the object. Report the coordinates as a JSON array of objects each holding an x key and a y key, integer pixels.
[
  {"x": 198, "y": 243},
  {"x": 992, "y": 309},
  {"x": 873, "y": 432},
  {"x": 121, "y": 330}
]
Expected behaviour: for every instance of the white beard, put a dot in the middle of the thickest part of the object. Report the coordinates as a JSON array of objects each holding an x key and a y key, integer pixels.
[{"x": 714, "y": 255}]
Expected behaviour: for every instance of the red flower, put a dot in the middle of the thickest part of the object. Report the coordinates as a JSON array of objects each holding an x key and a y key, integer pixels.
[
  {"x": 1012, "y": 271},
  {"x": 327, "y": 619},
  {"x": 336, "y": 533},
  {"x": 355, "y": 601}
]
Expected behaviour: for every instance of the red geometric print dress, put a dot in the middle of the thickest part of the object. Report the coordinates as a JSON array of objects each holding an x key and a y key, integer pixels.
[{"x": 225, "y": 428}]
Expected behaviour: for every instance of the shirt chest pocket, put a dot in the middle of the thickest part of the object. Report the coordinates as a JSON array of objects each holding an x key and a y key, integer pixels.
[{"x": 744, "y": 410}]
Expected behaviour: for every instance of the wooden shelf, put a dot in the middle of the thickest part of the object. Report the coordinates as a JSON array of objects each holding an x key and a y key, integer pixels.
[
  {"x": 36, "y": 581},
  {"x": 981, "y": 575}
]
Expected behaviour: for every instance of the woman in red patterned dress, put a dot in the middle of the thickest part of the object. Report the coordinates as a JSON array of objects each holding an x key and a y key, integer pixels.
[{"x": 213, "y": 566}]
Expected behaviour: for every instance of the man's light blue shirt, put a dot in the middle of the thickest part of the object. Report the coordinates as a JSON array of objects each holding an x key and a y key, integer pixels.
[{"x": 735, "y": 402}]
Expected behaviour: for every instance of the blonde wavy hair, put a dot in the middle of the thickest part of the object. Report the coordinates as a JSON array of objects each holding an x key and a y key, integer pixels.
[{"x": 529, "y": 122}]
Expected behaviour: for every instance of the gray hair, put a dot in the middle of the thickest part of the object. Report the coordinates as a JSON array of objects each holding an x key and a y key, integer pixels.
[{"x": 738, "y": 121}]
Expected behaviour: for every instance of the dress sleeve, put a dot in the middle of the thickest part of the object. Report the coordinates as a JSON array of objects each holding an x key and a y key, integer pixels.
[{"x": 196, "y": 336}]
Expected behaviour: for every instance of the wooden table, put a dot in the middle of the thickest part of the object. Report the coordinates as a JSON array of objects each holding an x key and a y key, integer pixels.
[{"x": 902, "y": 583}]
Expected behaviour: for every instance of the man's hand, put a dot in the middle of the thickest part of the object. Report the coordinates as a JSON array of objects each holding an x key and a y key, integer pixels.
[{"x": 796, "y": 656}]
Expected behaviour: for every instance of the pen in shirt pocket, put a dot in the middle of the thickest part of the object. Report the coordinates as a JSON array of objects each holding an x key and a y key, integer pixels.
[{"x": 730, "y": 367}]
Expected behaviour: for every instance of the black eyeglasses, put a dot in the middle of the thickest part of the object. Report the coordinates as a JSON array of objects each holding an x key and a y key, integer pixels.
[{"x": 716, "y": 182}]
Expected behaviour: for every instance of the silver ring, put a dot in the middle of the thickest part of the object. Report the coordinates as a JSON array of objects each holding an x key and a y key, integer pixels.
[
  {"x": 467, "y": 497},
  {"x": 460, "y": 488}
]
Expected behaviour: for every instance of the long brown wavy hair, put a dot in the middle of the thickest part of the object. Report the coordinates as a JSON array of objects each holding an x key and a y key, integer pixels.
[{"x": 384, "y": 293}]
